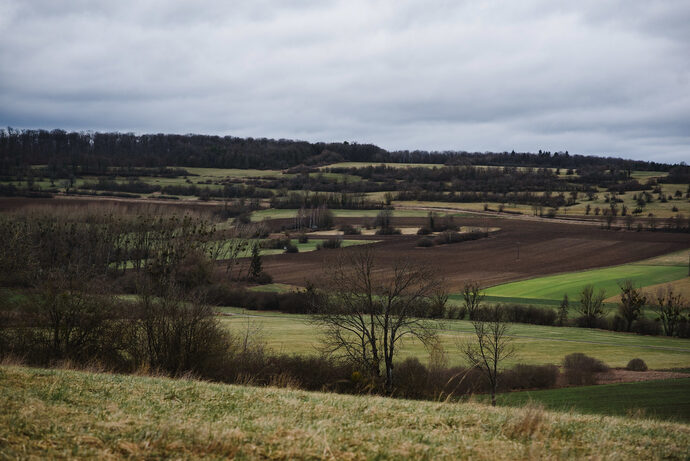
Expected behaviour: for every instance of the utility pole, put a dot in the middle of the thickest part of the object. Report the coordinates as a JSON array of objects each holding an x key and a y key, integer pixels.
[{"x": 518, "y": 252}]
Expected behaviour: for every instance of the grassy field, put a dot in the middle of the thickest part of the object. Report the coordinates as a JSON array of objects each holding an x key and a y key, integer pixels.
[
  {"x": 273, "y": 213},
  {"x": 293, "y": 334},
  {"x": 665, "y": 399},
  {"x": 77, "y": 415},
  {"x": 553, "y": 287},
  {"x": 303, "y": 247}
]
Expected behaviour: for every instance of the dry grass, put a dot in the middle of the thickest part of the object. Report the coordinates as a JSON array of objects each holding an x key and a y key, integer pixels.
[{"x": 70, "y": 414}]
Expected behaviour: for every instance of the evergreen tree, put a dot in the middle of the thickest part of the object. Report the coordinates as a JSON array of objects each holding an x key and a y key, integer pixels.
[
  {"x": 255, "y": 268},
  {"x": 563, "y": 311}
]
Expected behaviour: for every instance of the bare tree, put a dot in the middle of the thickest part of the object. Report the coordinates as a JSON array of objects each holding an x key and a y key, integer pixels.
[
  {"x": 473, "y": 296},
  {"x": 669, "y": 306},
  {"x": 492, "y": 347},
  {"x": 591, "y": 305},
  {"x": 632, "y": 301},
  {"x": 368, "y": 312}
]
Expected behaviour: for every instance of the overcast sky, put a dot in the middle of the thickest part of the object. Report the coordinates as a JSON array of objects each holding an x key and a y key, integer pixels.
[{"x": 591, "y": 77}]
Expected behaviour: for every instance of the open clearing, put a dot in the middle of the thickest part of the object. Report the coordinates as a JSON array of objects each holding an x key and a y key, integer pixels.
[
  {"x": 68, "y": 414},
  {"x": 294, "y": 334},
  {"x": 666, "y": 399}
]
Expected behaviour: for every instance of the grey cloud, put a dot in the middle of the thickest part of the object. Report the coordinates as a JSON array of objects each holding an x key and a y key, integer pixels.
[{"x": 592, "y": 77}]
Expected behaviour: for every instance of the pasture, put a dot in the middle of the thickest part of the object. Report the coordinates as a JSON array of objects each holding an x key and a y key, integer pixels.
[
  {"x": 78, "y": 415},
  {"x": 553, "y": 287},
  {"x": 663, "y": 399},
  {"x": 294, "y": 334}
]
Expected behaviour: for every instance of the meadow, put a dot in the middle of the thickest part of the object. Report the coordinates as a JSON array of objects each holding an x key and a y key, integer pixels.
[
  {"x": 664, "y": 399},
  {"x": 78, "y": 415},
  {"x": 551, "y": 289},
  {"x": 294, "y": 334}
]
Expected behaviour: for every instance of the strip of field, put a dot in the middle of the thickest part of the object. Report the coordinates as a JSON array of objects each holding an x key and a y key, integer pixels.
[
  {"x": 294, "y": 334},
  {"x": 51, "y": 414},
  {"x": 273, "y": 213},
  {"x": 553, "y": 287},
  {"x": 665, "y": 399},
  {"x": 302, "y": 247}
]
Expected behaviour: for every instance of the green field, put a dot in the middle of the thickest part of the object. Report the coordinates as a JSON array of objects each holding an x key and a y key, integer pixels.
[
  {"x": 272, "y": 213},
  {"x": 665, "y": 399},
  {"x": 552, "y": 288},
  {"x": 58, "y": 414},
  {"x": 301, "y": 247},
  {"x": 294, "y": 334}
]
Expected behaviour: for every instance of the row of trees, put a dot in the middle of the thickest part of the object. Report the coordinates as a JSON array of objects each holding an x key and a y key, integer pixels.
[
  {"x": 670, "y": 308},
  {"x": 73, "y": 153}
]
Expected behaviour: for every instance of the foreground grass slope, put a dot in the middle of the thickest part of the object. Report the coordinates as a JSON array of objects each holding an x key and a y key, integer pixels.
[
  {"x": 663, "y": 399},
  {"x": 67, "y": 414}
]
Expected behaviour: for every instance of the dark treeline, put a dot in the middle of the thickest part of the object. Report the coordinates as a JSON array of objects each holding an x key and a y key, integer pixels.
[{"x": 77, "y": 153}]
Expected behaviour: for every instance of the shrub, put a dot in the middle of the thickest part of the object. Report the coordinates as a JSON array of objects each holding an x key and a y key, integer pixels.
[
  {"x": 330, "y": 243},
  {"x": 425, "y": 242},
  {"x": 388, "y": 231},
  {"x": 291, "y": 249},
  {"x": 636, "y": 365},
  {"x": 645, "y": 326},
  {"x": 581, "y": 369},
  {"x": 263, "y": 278},
  {"x": 303, "y": 238},
  {"x": 529, "y": 377},
  {"x": 517, "y": 313},
  {"x": 450, "y": 236},
  {"x": 424, "y": 231},
  {"x": 276, "y": 244},
  {"x": 348, "y": 229}
]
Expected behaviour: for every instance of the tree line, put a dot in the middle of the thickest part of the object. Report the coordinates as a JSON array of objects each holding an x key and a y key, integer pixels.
[{"x": 73, "y": 153}]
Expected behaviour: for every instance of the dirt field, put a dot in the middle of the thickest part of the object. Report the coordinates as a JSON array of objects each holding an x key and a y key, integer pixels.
[{"x": 545, "y": 248}]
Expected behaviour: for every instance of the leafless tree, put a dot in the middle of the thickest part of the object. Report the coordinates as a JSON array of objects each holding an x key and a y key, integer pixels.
[
  {"x": 473, "y": 296},
  {"x": 632, "y": 301},
  {"x": 370, "y": 309},
  {"x": 591, "y": 305},
  {"x": 669, "y": 306},
  {"x": 492, "y": 347}
]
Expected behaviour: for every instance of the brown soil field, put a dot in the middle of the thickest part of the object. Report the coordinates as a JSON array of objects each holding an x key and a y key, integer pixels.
[{"x": 545, "y": 248}]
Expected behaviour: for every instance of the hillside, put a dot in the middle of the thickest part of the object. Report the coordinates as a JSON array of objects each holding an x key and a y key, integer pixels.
[{"x": 60, "y": 414}]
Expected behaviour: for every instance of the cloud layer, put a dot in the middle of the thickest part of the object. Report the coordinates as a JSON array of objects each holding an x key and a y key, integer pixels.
[{"x": 590, "y": 77}]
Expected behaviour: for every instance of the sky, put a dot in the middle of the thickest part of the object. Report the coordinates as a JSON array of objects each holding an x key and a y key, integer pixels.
[{"x": 590, "y": 77}]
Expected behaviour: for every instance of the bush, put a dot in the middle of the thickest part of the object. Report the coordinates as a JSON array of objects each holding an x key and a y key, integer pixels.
[
  {"x": 348, "y": 229},
  {"x": 581, "y": 369},
  {"x": 449, "y": 236},
  {"x": 517, "y": 313},
  {"x": 425, "y": 242},
  {"x": 330, "y": 243},
  {"x": 276, "y": 244},
  {"x": 424, "y": 231},
  {"x": 388, "y": 231},
  {"x": 303, "y": 238},
  {"x": 529, "y": 377},
  {"x": 263, "y": 278},
  {"x": 291, "y": 249},
  {"x": 645, "y": 326},
  {"x": 636, "y": 365}
]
